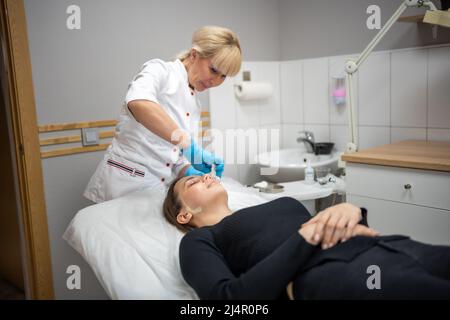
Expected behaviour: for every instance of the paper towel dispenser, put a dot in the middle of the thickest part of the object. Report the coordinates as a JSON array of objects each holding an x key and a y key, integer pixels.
[{"x": 249, "y": 90}]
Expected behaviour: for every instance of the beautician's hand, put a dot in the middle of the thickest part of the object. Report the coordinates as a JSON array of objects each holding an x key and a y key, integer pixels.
[
  {"x": 201, "y": 159},
  {"x": 191, "y": 171},
  {"x": 219, "y": 168},
  {"x": 334, "y": 223}
]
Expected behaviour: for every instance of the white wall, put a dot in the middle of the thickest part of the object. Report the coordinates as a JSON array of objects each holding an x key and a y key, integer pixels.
[
  {"x": 402, "y": 94},
  {"x": 321, "y": 28}
]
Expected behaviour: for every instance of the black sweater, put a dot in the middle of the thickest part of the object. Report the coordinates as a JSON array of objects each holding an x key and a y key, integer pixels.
[{"x": 251, "y": 254}]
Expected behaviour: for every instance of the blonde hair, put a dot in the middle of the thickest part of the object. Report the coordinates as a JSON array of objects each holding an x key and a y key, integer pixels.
[{"x": 220, "y": 44}]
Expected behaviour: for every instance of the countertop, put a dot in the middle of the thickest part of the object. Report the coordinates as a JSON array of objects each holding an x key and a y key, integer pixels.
[
  {"x": 416, "y": 154},
  {"x": 301, "y": 191}
]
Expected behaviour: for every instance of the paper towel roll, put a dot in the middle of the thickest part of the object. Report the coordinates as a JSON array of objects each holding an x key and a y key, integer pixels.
[{"x": 253, "y": 90}]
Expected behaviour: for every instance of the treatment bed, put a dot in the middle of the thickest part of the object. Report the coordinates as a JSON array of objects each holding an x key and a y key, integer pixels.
[{"x": 133, "y": 250}]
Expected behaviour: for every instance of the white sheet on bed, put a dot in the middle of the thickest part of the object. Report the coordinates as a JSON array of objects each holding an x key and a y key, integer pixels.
[{"x": 132, "y": 249}]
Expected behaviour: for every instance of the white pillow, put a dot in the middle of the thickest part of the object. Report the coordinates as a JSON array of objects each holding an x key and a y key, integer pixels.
[{"x": 133, "y": 250}]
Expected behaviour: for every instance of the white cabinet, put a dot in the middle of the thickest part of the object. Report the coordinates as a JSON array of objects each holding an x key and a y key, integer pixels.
[{"x": 405, "y": 201}]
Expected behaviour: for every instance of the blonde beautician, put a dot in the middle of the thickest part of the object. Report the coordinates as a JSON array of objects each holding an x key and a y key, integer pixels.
[{"x": 153, "y": 143}]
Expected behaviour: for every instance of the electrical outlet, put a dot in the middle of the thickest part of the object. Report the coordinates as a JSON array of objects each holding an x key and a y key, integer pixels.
[{"x": 90, "y": 136}]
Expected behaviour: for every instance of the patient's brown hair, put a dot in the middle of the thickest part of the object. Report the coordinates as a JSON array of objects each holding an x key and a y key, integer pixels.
[{"x": 172, "y": 206}]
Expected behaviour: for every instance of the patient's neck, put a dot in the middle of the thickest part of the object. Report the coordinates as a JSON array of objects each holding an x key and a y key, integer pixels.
[{"x": 211, "y": 215}]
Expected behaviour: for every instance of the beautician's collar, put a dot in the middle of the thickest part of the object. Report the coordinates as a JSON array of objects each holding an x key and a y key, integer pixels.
[{"x": 183, "y": 72}]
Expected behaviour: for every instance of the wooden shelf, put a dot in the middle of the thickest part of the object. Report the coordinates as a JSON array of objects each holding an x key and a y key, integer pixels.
[
  {"x": 418, "y": 18},
  {"x": 416, "y": 154},
  {"x": 440, "y": 18}
]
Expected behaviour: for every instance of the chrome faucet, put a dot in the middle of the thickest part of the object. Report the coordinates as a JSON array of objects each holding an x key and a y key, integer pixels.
[{"x": 307, "y": 137}]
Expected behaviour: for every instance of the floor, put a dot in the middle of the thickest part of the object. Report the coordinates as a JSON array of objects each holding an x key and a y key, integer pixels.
[{"x": 9, "y": 292}]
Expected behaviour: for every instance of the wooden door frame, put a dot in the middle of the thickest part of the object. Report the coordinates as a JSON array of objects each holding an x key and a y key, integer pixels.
[{"x": 25, "y": 138}]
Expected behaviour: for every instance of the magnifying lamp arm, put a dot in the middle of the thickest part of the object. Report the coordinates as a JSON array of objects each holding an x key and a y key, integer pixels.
[{"x": 352, "y": 66}]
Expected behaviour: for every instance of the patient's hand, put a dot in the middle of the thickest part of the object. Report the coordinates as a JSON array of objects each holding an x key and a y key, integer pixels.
[
  {"x": 307, "y": 231},
  {"x": 335, "y": 223},
  {"x": 361, "y": 230}
]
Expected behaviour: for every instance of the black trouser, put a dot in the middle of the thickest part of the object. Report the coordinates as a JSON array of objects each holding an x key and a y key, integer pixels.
[{"x": 408, "y": 270}]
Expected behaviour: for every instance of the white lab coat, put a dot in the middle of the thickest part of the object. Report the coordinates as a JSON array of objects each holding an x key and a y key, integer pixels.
[{"x": 138, "y": 158}]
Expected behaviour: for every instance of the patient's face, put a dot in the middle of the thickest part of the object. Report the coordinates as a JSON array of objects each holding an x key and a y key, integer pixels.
[{"x": 200, "y": 191}]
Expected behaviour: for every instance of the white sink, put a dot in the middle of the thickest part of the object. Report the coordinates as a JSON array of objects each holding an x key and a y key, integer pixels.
[{"x": 289, "y": 164}]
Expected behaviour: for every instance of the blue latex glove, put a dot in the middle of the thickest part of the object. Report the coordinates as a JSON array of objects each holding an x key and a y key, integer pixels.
[
  {"x": 192, "y": 172},
  {"x": 201, "y": 159},
  {"x": 219, "y": 169}
]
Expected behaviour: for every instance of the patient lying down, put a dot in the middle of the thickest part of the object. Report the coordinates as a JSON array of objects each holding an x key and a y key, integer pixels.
[{"x": 277, "y": 251}]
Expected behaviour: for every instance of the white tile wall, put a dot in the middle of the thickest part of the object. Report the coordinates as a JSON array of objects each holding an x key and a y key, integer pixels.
[
  {"x": 269, "y": 137},
  {"x": 439, "y": 88},
  {"x": 373, "y": 136},
  {"x": 438, "y": 134},
  {"x": 290, "y": 134},
  {"x": 339, "y": 135},
  {"x": 223, "y": 111},
  {"x": 402, "y": 94},
  {"x": 248, "y": 111},
  {"x": 315, "y": 91},
  {"x": 291, "y": 92},
  {"x": 270, "y": 109},
  {"x": 374, "y": 91},
  {"x": 409, "y": 88},
  {"x": 399, "y": 134}
]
